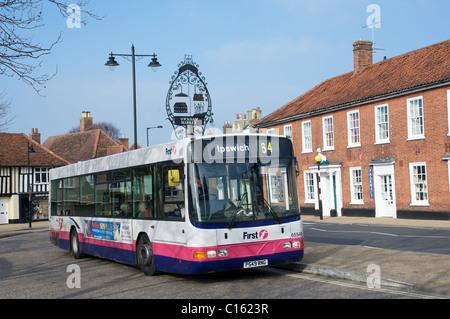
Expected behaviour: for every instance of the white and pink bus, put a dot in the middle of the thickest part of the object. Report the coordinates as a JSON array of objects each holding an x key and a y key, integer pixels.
[{"x": 197, "y": 205}]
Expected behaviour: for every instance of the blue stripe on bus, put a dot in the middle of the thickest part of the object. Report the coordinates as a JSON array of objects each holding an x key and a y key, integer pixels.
[
  {"x": 117, "y": 254},
  {"x": 174, "y": 265},
  {"x": 168, "y": 264}
]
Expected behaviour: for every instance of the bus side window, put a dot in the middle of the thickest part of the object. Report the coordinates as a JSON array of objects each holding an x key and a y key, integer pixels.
[
  {"x": 55, "y": 198},
  {"x": 120, "y": 189},
  {"x": 87, "y": 204},
  {"x": 173, "y": 195},
  {"x": 71, "y": 195},
  {"x": 144, "y": 193},
  {"x": 102, "y": 195}
]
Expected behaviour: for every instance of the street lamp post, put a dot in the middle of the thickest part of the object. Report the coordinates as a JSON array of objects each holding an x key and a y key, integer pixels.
[
  {"x": 318, "y": 159},
  {"x": 148, "y": 128},
  {"x": 112, "y": 64},
  {"x": 30, "y": 150}
]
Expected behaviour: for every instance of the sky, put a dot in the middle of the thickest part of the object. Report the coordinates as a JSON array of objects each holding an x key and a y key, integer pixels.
[{"x": 252, "y": 53}]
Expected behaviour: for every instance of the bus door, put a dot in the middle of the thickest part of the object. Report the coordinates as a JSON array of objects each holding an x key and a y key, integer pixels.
[{"x": 171, "y": 227}]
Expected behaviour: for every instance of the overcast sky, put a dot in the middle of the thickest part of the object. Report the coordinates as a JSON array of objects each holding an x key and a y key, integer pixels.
[{"x": 253, "y": 53}]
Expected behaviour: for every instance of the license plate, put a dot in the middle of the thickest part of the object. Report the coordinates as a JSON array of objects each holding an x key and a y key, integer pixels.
[{"x": 256, "y": 263}]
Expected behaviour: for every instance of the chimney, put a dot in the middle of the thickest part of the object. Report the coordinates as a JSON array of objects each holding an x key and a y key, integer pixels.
[
  {"x": 362, "y": 55},
  {"x": 35, "y": 135},
  {"x": 254, "y": 116},
  {"x": 227, "y": 128},
  {"x": 86, "y": 122},
  {"x": 124, "y": 141}
]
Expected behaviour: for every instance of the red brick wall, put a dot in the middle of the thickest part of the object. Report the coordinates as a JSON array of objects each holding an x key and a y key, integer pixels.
[{"x": 429, "y": 150}]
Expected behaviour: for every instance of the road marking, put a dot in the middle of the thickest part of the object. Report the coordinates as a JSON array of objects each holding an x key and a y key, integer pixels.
[
  {"x": 377, "y": 233},
  {"x": 385, "y": 234},
  {"x": 347, "y": 284}
]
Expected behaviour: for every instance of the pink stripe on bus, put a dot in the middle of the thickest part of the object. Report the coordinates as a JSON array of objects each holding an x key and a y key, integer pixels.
[{"x": 187, "y": 253}]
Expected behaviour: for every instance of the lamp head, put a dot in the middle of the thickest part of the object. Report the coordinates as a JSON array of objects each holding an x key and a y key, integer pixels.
[
  {"x": 112, "y": 63},
  {"x": 154, "y": 64}
]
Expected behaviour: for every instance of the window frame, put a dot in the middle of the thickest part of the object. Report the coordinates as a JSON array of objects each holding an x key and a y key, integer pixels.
[
  {"x": 326, "y": 139},
  {"x": 414, "y": 200},
  {"x": 448, "y": 111},
  {"x": 378, "y": 139},
  {"x": 305, "y": 143},
  {"x": 351, "y": 130},
  {"x": 354, "y": 200},
  {"x": 286, "y": 130},
  {"x": 39, "y": 172},
  {"x": 410, "y": 124},
  {"x": 307, "y": 186}
]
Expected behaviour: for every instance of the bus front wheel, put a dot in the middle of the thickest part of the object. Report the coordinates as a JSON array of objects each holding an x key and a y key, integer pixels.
[
  {"x": 145, "y": 256},
  {"x": 75, "y": 245}
]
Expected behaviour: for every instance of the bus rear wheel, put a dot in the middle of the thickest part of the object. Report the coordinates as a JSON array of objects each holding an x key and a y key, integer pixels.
[
  {"x": 75, "y": 245},
  {"x": 145, "y": 256}
]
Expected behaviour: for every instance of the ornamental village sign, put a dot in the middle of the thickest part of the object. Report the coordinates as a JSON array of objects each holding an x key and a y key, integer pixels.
[{"x": 188, "y": 103}]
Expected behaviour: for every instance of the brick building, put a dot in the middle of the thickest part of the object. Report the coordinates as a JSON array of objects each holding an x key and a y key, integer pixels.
[{"x": 384, "y": 130}]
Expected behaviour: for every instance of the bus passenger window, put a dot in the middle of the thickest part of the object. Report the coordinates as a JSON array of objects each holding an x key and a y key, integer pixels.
[
  {"x": 87, "y": 203},
  {"x": 71, "y": 195},
  {"x": 145, "y": 199},
  {"x": 56, "y": 197}
]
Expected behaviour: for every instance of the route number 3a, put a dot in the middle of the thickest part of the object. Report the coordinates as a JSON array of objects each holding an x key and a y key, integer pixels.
[{"x": 265, "y": 149}]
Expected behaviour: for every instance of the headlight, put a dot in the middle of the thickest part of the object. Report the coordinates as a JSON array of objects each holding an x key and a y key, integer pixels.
[
  {"x": 287, "y": 245},
  {"x": 223, "y": 253},
  {"x": 296, "y": 244}
]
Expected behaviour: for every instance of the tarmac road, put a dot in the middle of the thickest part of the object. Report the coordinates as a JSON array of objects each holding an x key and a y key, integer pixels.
[
  {"x": 416, "y": 271},
  {"x": 402, "y": 238}
]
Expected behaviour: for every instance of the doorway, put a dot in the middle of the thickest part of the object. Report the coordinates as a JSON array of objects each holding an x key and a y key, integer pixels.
[
  {"x": 331, "y": 189},
  {"x": 384, "y": 186},
  {"x": 3, "y": 211}
]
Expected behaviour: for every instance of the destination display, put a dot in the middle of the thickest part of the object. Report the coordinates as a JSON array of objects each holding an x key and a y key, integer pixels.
[{"x": 238, "y": 148}]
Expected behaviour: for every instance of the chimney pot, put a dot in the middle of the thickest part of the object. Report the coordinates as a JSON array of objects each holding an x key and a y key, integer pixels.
[
  {"x": 86, "y": 122},
  {"x": 35, "y": 136},
  {"x": 124, "y": 141}
]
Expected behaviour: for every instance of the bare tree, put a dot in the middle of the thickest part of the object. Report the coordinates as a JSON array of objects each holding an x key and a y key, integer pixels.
[
  {"x": 5, "y": 118},
  {"x": 20, "y": 53}
]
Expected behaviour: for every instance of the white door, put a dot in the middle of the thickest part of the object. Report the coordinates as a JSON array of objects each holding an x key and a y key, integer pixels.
[
  {"x": 387, "y": 196},
  {"x": 4, "y": 211},
  {"x": 385, "y": 203}
]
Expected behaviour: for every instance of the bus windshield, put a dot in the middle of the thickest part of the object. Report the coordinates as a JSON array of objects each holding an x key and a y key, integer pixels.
[{"x": 243, "y": 192}]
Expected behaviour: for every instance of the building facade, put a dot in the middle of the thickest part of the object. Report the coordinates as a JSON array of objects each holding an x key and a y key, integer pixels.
[
  {"x": 24, "y": 182},
  {"x": 384, "y": 131},
  {"x": 25, "y": 164}
]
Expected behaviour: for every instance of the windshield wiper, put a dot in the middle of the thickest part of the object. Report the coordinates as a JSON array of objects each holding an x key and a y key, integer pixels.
[
  {"x": 236, "y": 210},
  {"x": 233, "y": 216},
  {"x": 275, "y": 216}
]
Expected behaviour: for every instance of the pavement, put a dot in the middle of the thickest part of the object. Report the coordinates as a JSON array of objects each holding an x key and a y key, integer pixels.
[{"x": 418, "y": 272}]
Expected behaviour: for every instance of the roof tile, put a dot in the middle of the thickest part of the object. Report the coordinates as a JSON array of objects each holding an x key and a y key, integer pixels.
[
  {"x": 13, "y": 152},
  {"x": 414, "y": 69}
]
